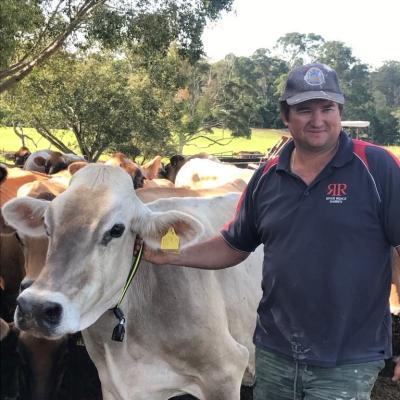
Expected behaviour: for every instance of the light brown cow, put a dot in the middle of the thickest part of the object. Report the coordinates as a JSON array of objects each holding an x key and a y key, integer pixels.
[
  {"x": 21, "y": 260},
  {"x": 148, "y": 194},
  {"x": 166, "y": 344},
  {"x": 142, "y": 175},
  {"x": 205, "y": 174},
  {"x": 15, "y": 179}
]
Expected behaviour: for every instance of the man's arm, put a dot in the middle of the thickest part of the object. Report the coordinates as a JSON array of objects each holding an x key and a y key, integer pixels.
[
  {"x": 213, "y": 253},
  {"x": 396, "y": 374}
]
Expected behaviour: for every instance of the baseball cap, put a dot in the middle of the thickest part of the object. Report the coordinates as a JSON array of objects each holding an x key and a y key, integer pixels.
[{"x": 312, "y": 81}]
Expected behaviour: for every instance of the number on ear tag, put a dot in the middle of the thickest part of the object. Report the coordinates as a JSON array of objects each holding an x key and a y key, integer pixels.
[{"x": 170, "y": 241}]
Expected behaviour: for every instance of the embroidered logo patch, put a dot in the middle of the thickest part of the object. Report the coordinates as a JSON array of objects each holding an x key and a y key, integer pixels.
[
  {"x": 314, "y": 77},
  {"x": 336, "y": 193}
]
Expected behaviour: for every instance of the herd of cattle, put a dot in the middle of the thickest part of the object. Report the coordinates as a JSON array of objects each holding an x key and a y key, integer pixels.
[{"x": 67, "y": 229}]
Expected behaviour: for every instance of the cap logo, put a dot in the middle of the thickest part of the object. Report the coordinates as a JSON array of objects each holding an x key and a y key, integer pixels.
[{"x": 314, "y": 77}]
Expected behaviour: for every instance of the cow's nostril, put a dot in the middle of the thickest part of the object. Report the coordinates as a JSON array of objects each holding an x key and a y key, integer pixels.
[
  {"x": 25, "y": 307},
  {"x": 52, "y": 312}
]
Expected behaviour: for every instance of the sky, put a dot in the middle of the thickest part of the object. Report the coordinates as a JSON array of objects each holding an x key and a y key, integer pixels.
[{"x": 371, "y": 28}]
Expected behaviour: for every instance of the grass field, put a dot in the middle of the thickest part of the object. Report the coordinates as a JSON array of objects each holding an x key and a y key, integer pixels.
[{"x": 261, "y": 140}]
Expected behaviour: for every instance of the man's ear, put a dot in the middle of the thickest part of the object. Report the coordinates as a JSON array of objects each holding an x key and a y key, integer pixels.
[
  {"x": 26, "y": 215},
  {"x": 284, "y": 120}
]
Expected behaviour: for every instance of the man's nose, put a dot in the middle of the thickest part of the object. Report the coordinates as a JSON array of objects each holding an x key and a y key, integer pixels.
[{"x": 317, "y": 118}]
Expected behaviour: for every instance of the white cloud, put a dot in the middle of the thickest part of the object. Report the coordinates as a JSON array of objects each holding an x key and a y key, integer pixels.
[{"x": 370, "y": 28}]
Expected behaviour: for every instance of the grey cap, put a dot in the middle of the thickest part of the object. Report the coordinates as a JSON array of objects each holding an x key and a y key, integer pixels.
[{"x": 312, "y": 81}]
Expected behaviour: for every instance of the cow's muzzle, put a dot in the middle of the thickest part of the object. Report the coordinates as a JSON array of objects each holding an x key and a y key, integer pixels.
[{"x": 38, "y": 315}]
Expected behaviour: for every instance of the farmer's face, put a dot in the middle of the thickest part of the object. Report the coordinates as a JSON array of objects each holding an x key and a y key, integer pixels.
[{"x": 315, "y": 125}]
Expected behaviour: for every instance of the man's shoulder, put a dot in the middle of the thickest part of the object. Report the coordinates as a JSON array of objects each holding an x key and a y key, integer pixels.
[{"x": 374, "y": 156}]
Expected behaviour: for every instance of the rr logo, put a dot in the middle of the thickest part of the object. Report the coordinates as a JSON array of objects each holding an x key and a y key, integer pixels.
[{"x": 337, "y": 189}]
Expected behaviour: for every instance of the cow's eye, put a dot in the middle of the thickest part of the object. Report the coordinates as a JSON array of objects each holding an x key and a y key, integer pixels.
[{"x": 117, "y": 230}]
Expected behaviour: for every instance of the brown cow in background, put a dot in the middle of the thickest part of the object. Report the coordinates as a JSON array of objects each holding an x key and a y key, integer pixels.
[{"x": 33, "y": 368}]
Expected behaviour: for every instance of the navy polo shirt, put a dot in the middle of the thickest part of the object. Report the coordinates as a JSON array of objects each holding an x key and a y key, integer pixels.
[{"x": 327, "y": 254}]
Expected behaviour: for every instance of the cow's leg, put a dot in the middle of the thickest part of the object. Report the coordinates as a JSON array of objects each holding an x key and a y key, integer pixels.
[{"x": 223, "y": 377}]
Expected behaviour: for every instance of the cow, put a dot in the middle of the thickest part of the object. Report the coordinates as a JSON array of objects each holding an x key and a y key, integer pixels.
[
  {"x": 15, "y": 179},
  {"x": 142, "y": 176},
  {"x": 32, "y": 367},
  {"x": 177, "y": 161},
  {"x": 49, "y": 161},
  {"x": 187, "y": 330},
  {"x": 21, "y": 156},
  {"x": 204, "y": 174},
  {"x": 149, "y": 194}
]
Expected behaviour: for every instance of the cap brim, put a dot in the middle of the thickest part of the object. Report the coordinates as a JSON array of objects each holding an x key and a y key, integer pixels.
[{"x": 305, "y": 96}]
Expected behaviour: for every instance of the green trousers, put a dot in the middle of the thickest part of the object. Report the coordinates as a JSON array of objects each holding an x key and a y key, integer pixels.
[{"x": 279, "y": 378}]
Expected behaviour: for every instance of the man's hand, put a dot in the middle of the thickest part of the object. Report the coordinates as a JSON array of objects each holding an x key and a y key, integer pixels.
[
  {"x": 154, "y": 256},
  {"x": 396, "y": 375}
]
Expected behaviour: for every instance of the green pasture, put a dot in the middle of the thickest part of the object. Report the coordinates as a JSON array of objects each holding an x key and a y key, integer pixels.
[{"x": 261, "y": 140}]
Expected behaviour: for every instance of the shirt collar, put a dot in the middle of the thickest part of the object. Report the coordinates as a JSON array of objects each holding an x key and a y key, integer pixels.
[{"x": 342, "y": 156}]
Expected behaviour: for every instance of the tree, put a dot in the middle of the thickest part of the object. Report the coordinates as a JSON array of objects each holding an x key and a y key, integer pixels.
[
  {"x": 299, "y": 48},
  {"x": 32, "y": 31},
  {"x": 96, "y": 98},
  {"x": 386, "y": 86}
]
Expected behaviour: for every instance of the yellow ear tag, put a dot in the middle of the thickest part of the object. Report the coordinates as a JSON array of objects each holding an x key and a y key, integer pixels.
[{"x": 170, "y": 241}]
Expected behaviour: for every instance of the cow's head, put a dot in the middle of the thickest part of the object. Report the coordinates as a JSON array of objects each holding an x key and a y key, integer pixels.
[
  {"x": 136, "y": 173},
  {"x": 21, "y": 156},
  {"x": 91, "y": 229}
]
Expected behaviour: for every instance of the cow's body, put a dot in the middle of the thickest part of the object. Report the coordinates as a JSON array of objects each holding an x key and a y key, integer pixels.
[
  {"x": 15, "y": 179},
  {"x": 205, "y": 174},
  {"x": 22, "y": 259},
  {"x": 187, "y": 331},
  {"x": 49, "y": 161}
]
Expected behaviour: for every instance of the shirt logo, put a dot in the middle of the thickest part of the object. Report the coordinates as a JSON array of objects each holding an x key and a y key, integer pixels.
[
  {"x": 314, "y": 77},
  {"x": 336, "y": 193}
]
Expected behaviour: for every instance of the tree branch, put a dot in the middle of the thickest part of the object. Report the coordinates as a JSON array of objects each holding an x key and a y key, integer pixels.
[
  {"x": 20, "y": 71},
  {"x": 43, "y": 131}
]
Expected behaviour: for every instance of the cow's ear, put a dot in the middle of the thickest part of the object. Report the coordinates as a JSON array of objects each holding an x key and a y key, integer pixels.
[
  {"x": 156, "y": 225},
  {"x": 40, "y": 161},
  {"x": 76, "y": 166},
  {"x": 150, "y": 169},
  {"x": 25, "y": 214}
]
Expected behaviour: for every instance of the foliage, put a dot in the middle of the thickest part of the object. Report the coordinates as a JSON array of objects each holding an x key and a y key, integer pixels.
[
  {"x": 131, "y": 78},
  {"x": 32, "y": 31}
]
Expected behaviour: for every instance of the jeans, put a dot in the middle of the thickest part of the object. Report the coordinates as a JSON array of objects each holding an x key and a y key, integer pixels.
[{"x": 279, "y": 378}]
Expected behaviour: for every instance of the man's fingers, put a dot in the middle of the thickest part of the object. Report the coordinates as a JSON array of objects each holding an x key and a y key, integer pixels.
[{"x": 396, "y": 375}]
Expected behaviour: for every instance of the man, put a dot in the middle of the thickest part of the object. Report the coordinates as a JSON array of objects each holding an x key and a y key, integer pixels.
[{"x": 327, "y": 212}]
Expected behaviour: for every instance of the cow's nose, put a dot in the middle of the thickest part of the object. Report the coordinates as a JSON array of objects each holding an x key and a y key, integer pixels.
[
  {"x": 26, "y": 282},
  {"x": 51, "y": 313},
  {"x": 47, "y": 314}
]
